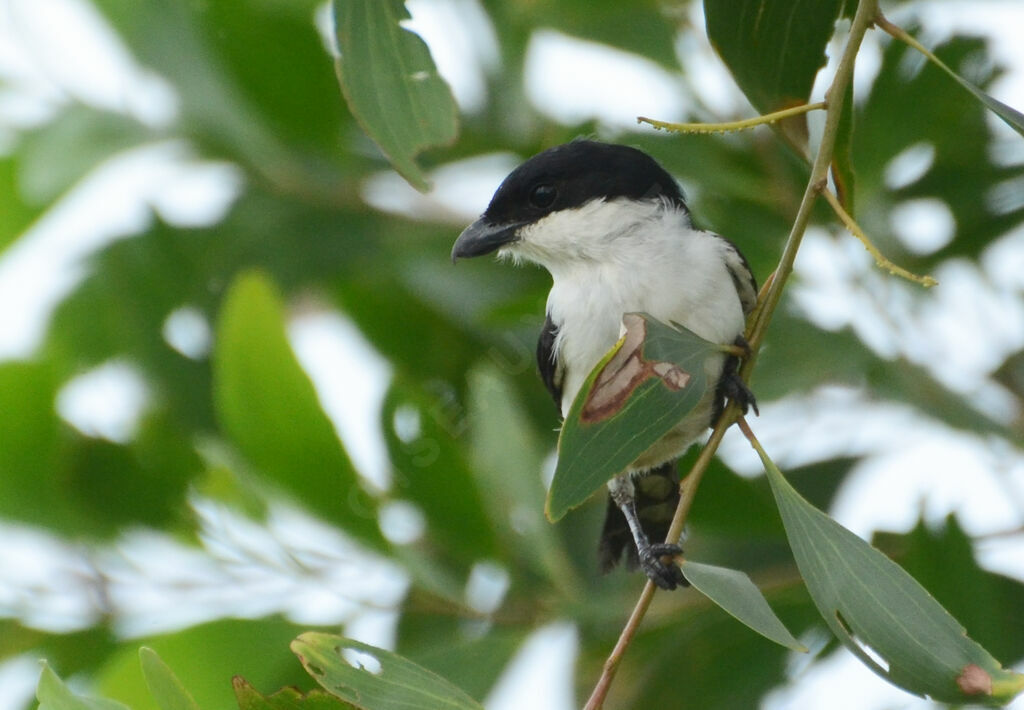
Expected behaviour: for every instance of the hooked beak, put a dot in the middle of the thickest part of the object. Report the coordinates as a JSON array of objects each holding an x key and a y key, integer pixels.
[{"x": 481, "y": 238}]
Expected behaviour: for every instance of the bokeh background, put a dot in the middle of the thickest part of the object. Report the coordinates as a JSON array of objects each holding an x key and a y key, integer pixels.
[{"x": 243, "y": 391}]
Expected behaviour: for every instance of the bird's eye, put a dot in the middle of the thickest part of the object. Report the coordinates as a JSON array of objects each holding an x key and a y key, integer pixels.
[{"x": 543, "y": 195}]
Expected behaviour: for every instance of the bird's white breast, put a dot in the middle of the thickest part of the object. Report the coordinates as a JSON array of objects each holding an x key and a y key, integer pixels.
[{"x": 658, "y": 265}]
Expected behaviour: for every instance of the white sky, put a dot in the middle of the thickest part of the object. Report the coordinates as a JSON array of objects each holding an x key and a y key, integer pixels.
[{"x": 60, "y": 48}]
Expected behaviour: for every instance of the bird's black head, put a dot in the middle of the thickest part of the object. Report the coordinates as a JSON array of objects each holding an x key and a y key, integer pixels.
[{"x": 562, "y": 178}]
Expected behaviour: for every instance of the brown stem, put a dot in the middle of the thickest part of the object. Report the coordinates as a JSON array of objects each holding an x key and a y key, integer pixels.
[{"x": 866, "y": 12}]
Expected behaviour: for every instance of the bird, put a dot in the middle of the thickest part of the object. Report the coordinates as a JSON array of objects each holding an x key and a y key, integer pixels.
[{"x": 612, "y": 228}]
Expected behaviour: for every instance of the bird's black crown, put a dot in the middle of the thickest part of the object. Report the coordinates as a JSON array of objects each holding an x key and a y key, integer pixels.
[{"x": 575, "y": 173}]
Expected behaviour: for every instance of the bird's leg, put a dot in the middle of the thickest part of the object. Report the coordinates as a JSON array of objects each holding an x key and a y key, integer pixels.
[
  {"x": 733, "y": 385},
  {"x": 666, "y": 575}
]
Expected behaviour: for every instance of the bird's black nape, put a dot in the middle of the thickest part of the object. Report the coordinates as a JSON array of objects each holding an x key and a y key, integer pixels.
[{"x": 575, "y": 173}]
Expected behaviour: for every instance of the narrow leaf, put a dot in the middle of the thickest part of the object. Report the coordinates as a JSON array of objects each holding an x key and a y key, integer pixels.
[
  {"x": 507, "y": 456},
  {"x": 391, "y": 84},
  {"x": 167, "y": 690},
  {"x": 52, "y": 694},
  {"x": 733, "y": 591},
  {"x": 374, "y": 679},
  {"x": 882, "y": 614},
  {"x": 773, "y": 48},
  {"x": 266, "y": 403},
  {"x": 652, "y": 378},
  {"x": 1011, "y": 116}
]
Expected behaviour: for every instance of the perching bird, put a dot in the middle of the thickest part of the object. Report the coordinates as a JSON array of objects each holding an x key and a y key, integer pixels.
[{"x": 611, "y": 227}]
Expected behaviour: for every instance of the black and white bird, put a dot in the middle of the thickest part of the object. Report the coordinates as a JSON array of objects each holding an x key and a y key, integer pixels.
[{"x": 611, "y": 227}]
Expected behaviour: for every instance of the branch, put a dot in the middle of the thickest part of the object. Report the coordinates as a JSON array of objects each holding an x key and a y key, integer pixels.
[
  {"x": 767, "y": 304},
  {"x": 731, "y": 126}
]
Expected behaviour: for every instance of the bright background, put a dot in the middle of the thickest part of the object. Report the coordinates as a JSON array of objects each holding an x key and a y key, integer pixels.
[{"x": 910, "y": 466}]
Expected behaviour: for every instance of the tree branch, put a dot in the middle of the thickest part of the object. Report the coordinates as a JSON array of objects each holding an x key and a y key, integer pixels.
[{"x": 770, "y": 297}]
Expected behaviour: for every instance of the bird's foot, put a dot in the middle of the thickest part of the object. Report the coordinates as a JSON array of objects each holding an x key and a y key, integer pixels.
[
  {"x": 736, "y": 390},
  {"x": 666, "y": 575}
]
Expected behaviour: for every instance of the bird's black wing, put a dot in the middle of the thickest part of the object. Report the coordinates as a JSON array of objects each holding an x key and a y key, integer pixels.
[
  {"x": 550, "y": 371},
  {"x": 742, "y": 277}
]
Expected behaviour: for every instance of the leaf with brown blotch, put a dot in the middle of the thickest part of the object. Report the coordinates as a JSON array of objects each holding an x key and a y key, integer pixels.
[{"x": 646, "y": 384}]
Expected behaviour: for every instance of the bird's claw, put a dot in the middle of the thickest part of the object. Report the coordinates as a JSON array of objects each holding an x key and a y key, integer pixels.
[
  {"x": 666, "y": 575},
  {"x": 736, "y": 390}
]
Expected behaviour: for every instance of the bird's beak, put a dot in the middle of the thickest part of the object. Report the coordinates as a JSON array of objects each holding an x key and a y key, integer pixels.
[{"x": 482, "y": 237}]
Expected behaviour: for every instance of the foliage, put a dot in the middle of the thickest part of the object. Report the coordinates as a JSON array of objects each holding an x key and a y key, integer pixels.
[{"x": 466, "y": 426}]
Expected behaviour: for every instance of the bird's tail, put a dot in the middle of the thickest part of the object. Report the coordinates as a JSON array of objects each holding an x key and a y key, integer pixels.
[{"x": 657, "y": 495}]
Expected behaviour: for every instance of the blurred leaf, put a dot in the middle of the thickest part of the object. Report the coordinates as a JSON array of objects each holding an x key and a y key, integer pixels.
[
  {"x": 59, "y": 153},
  {"x": 391, "y": 84},
  {"x": 75, "y": 652},
  {"x": 1011, "y": 374},
  {"x": 431, "y": 471},
  {"x": 267, "y": 404},
  {"x": 911, "y": 106},
  {"x": 642, "y": 388},
  {"x": 170, "y": 38},
  {"x": 16, "y": 214},
  {"x": 508, "y": 460},
  {"x": 52, "y": 694},
  {"x": 207, "y": 656},
  {"x": 696, "y": 655},
  {"x": 30, "y": 446},
  {"x": 791, "y": 363},
  {"x": 641, "y": 28},
  {"x": 372, "y": 678},
  {"x": 1013, "y": 118},
  {"x": 168, "y": 691},
  {"x": 474, "y": 653},
  {"x": 284, "y": 699},
  {"x": 773, "y": 48},
  {"x": 879, "y": 612},
  {"x": 743, "y": 508},
  {"x": 118, "y": 485},
  {"x": 275, "y": 55},
  {"x": 733, "y": 591}
]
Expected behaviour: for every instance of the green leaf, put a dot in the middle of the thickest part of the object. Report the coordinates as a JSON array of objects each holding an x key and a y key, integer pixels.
[
  {"x": 773, "y": 48},
  {"x": 619, "y": 413},
  {"x": 30, "y": 453},
  {"x": 16, "y": 213},
  {"x": 964, "y": 167},
  {"x": 430, "y": 469},
  {"x": 170, "y": 694},
  {"x": 985, "y": 602},
  {"x": 61, "y": 152},
  {"x": 284, "y": 699},
  {"x": 267, "y": 404},
  {"x": 391, "y": 84},
  {"x": 207, "y": 656},
  {"x": 507, "y": 458},
  {"x": 882, "y": 614},
  {"x": 1011, "y": 116},
  {"x": 843, "y": 174},
  {"x": 374, "y": 679},
  {"x": 52, "y": 694},
  {"x": 735, "y": 593}
]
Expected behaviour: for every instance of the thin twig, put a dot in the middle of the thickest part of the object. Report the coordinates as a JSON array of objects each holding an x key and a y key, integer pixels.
[
  {"x": 732, "y": 126},
  {"x": 688, "y": 488},
  {"x": 880, "y": 260},
  {"x": 771, "y": 295},
  {"x": 866, "y": 11}
]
